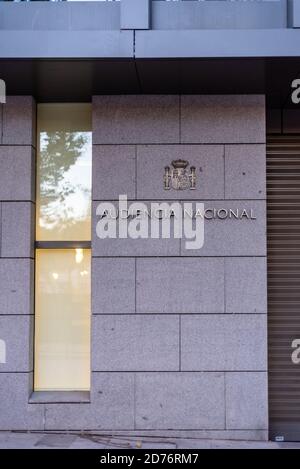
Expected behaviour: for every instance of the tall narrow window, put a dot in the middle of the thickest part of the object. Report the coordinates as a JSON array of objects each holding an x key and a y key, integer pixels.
[{"x": 63, "y": 241}]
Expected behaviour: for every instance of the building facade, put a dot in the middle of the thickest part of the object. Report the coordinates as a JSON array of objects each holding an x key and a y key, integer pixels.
[{"x": 140, "y": 333}]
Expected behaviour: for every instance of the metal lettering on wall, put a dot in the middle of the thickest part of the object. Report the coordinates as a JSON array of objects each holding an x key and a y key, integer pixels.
[{"x": 165, "y": 220}]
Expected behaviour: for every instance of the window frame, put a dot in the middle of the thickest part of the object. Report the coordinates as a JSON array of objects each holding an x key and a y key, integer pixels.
[{"x": 55, "y": 396}]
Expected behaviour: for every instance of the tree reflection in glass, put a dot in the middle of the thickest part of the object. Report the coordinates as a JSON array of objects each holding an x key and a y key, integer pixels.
[{"x": 64, "y": 174}]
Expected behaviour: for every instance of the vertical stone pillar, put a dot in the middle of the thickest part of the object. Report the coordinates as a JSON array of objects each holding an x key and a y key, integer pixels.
[{"x": 17, "y": 208}]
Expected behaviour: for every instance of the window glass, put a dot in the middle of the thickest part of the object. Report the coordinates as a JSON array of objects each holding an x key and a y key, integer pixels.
[
  {"x": 64, "y": 160},
  {"x": 62, "y": 320}
]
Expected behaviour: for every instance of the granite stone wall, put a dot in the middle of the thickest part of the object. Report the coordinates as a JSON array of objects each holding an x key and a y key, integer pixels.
[
  {"x": 17, "y": 208},
  {"x": 179, "y": 337}
]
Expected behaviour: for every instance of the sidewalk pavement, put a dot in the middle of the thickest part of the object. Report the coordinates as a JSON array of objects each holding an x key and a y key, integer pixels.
[{"x": 22, "y": 440}]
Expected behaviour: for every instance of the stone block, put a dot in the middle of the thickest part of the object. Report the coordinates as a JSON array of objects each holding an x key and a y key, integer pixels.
[
  {"x": 16, "y": 173},
  {"x": 17, "y": 229},
  {"x": 135, "y": 119},
  {"x": 230, "y": 236},
  {"x": 17, "y": 334},
  {"x": 246, "y": 285},
  {"x": 246, "y": 401},
  {"x": 223, "y": 119},
  {"x": 1, "y": 122},
  {"x": 16, "y": 292},
  {"x": 113, "y": 286},
  {"x": 118, "y": 247},
  {"x": 111, "y": 408},
  {"x": 232, "y": 342},
  {"x": 180, "y": 285},
  {"x": 15, "y": 412},
  {"x": 180, "y": 401},
  {"x": 113, "y": 171},
  {"x": 19, "y": 121},
  {"x": 207, "y": 159},
  {"x": 245, "y": 172},
  {"x": 135, "y": 343}
]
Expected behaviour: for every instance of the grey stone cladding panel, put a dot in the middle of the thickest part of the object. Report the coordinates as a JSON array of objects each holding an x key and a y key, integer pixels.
[
  {"x": 180, "y": 285},
  {"x": 19, "y": 121},
  {"x": 135, "y": 343},
  {"x": 111, "y": 407},
  {"x": 223, "y": 119},
  {"x": 16, "y": 332},
  {"x": 245, "y": 172},
  {"x": 246, "y": 401},
  {"x": 135, "y": 119},
  {"x": 15, "y": 412},
  {"x": 1, "y": 122},
  {"x": 17, "y": 229},
  {"x": 16, "y": 173},
  {"x": 113, "y": 171},
  {"x": 113, "y": 285},
  {"x": 243, "y": 236},
  {"x": 16, "y": 292},
  {"x": 246, "y": 285},
  {"x": 130, "y": 246},
  {"x": 180, "y": 401},
  {"x": 224, "y": 342}
]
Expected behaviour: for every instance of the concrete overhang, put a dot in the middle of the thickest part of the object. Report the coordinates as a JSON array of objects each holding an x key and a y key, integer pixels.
[
  {"x": 71, "y": 50},
  {"x": 238, "y": 43},
  {"x": 66, "y": 44}
]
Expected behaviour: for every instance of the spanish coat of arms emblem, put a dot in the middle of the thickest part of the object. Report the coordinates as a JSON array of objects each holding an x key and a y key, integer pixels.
[{"x": 178, "y": 178}]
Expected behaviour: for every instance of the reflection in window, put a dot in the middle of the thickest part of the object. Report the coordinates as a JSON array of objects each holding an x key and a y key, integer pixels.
[
  {"x": 62, "y": 319},
  {"x": 64, "y": 172},
  {"x": 62, "y": 271}
]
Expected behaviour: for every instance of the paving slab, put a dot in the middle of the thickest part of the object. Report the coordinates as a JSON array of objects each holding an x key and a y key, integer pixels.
[{"x": 14, "y": 440}]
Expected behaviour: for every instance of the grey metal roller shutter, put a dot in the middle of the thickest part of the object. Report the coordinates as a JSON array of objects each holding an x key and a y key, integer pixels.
[{"x": 283, "y": 201}]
